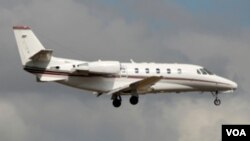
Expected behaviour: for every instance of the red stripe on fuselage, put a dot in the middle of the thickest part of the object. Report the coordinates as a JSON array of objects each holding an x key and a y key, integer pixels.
[{"x": 44, "y": 71}]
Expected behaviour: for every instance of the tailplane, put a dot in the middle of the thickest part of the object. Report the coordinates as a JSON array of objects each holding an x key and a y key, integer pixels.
[{"x": 30, "y": 48}]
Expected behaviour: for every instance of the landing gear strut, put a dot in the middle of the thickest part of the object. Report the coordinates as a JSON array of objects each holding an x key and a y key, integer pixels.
[
  {"x": 134, "y": 100},
  {"x": 117, "y": 100},
  {"x": 217, "y": 101}
]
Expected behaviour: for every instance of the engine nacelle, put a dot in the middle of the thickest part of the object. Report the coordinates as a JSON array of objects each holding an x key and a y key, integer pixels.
[{"x": 101, "y": 67}]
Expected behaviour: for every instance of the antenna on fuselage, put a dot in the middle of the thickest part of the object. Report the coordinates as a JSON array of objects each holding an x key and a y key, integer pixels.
[{"x": 132, "y": 61}]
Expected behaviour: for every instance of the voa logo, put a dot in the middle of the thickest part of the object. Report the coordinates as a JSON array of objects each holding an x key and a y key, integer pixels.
[{"x": 236, "y": 132}]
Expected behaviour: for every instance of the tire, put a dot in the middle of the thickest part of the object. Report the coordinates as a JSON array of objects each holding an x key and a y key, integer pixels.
[
  {"x": 134, "y": 100},
  {"x": 217, "y": 102},
  {"x": 117, "y": 103}
]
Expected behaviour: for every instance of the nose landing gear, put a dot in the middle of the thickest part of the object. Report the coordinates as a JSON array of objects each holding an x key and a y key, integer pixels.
[{"x": 217, "y": 101}]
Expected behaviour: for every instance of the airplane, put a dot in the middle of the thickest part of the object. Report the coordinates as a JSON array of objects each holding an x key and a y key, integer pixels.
[{"x": 114, "y": 78}]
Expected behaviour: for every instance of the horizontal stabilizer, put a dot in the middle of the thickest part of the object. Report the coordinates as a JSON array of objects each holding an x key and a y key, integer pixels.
[
  {"x": 50, "y": 78},
  {"x": 42, "y": 55}
]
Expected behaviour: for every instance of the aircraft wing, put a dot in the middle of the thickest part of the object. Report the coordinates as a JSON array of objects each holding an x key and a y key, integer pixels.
[
  {"x": 140, "y": 86},
  {"x": 145, "y": 84}
]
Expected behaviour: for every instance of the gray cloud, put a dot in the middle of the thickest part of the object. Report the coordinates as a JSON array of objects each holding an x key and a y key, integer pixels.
[{"x": 90, "y": 31}]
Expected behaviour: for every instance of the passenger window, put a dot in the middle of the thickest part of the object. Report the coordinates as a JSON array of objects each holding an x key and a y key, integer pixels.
[
  {"x": 147, "y": 70},
  {"x": 136, "y": 70},
  {"x": 158, "y": 71},
  {"x": 179, "y": 71},
  {"x": 168, "y": 71},
  {"x": 55, "y": 67}
]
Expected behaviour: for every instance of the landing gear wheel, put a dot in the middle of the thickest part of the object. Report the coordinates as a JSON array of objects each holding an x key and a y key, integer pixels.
[
  {"x": 117, "y": 101},
  {"x": 217, "y": 102},
  {"x": 134, "y": 100}
]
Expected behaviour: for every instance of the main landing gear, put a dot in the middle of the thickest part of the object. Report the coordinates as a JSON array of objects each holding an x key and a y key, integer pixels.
[
  {"x": 134, "y": 100},
  {"x": 217, "y": 101},
  {"x": 117, "y": 100}
]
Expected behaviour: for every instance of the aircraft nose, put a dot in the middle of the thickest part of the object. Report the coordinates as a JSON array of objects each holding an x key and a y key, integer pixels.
[
  {"x": 234, "y": 85},
  {"x": 229, "y": 84}
]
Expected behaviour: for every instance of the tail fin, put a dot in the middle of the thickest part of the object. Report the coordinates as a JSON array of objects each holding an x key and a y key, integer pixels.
[{"x": 30, "y": 48}]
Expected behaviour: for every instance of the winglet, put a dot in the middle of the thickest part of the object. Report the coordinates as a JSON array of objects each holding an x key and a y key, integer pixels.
[{"x": 21, "y": 27}]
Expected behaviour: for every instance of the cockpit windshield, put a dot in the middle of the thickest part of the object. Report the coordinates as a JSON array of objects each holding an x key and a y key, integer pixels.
[
  {"x": 209, "y": 72},
  {"x": 204, "y": 71}
]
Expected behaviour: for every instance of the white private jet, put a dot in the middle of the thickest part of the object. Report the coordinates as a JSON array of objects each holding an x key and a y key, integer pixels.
[{"x": 113, "y": 77}]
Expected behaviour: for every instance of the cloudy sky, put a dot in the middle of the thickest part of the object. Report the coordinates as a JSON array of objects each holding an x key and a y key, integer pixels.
[{"x": 214, "y": 34}]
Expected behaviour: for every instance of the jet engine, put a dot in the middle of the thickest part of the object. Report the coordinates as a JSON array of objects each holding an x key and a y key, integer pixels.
[{"x": 100, "y": 67}]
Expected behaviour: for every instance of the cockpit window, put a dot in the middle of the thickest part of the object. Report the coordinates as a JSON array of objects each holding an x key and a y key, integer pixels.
[
  {"x": 210, "y": 73},
  {"x": 205, "y": 71}
]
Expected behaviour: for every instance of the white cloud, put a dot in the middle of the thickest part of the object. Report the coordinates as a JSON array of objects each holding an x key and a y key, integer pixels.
[
  {"x": 12, "y": 126},
  {"x": 200, "y": 121},
  {"x": 202, "y": 47},
  {"x": 54, "y": 112},
  {"x": 62, "y": 117}
]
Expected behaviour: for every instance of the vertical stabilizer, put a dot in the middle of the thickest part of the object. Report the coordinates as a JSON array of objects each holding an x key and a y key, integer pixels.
[{"x": 29, "y": 46}]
